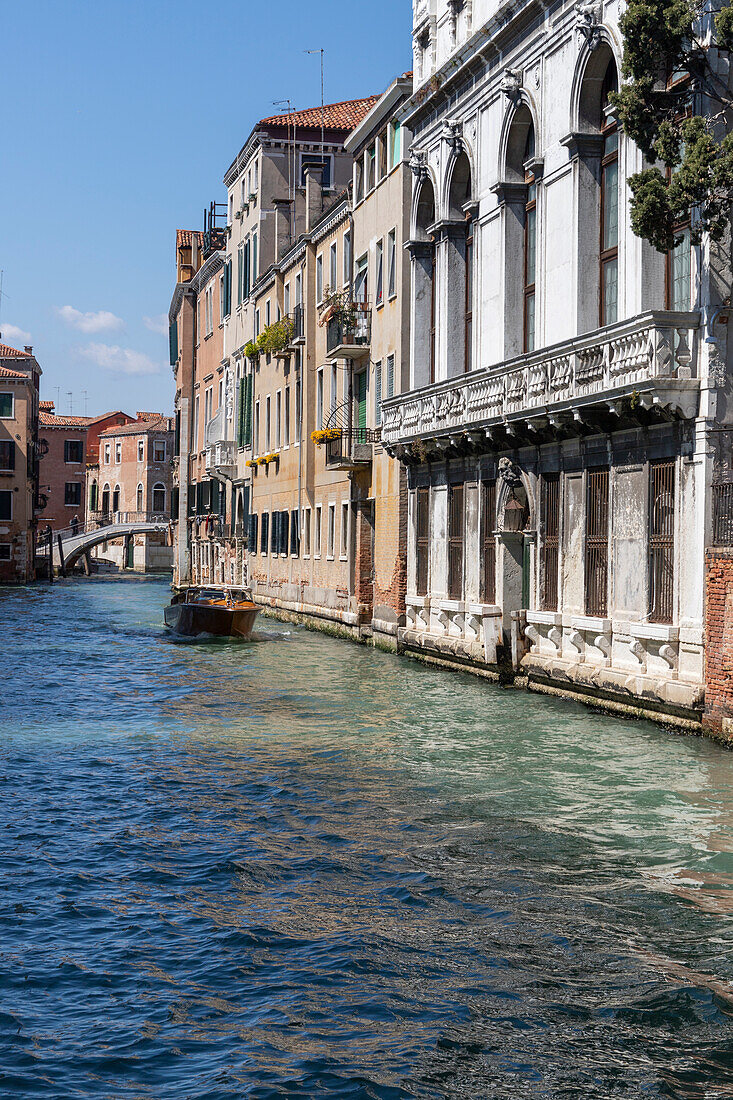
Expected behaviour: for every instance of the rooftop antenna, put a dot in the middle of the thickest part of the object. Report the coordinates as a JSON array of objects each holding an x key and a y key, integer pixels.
[
  {"x": 58, "y": 398},
  {"x": 323, "y": 144},
  {"x": 1, "y": 294},
  {"x": 70, "y": 396},
  {"x": 84, "y": 392}
]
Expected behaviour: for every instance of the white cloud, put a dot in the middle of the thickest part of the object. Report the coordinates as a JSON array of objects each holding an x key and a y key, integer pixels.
[
  {"x": 119, "y": 360},
  {"x": 101, "y": 321},
  {"x": 158, "y": 324},
  {"x": 14, "y": 334}
]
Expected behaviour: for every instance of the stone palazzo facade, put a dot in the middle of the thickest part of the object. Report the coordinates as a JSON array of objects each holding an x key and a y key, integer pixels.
[{"x": 567, "y": 424}]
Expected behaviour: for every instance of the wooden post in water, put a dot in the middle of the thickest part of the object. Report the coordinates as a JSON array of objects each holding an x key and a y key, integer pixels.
[
  {"x": 87, "y": 564},
  {"x": 62, "y": 562}
]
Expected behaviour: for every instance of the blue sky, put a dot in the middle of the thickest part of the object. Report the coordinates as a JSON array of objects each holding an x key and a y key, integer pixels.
[{"x": 118, "y": 123}]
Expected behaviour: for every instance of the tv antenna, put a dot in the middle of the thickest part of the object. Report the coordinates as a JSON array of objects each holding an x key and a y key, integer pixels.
[{"x": 323, "y": 144}]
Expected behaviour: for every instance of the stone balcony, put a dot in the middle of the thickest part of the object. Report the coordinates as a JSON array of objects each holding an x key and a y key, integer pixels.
[
  {"x": 641, "y": 370},
  {"x": 221, "y": 457}
]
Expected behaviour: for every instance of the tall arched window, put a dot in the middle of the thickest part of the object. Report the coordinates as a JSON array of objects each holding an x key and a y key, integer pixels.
[
  {"x": 609, "y": 203},
  {"x": 116, "y": 499},
  {"x": 423, "y": 288},
  {"x": 105, "y": 500},
  {"x": 159, "y": 499},
  {"x": 139, "y": 498},
  {"x": 518, "y": 195},
  {"x": 459, "y": 264},
  {"x": 530, "y": 241}
]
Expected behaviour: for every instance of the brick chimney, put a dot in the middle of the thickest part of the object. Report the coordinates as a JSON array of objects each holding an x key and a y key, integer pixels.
[
  {"x": 29, "y": 349},
  {"x": 313, "y": 195},
  {"x": 282, "y": 226}
]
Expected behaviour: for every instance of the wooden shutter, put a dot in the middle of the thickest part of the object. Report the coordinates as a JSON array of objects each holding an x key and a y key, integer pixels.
[
  {"x": 488, "y": 541},
  {"x": 422, "y": 525},
  {"x": 294, "y": 533},
  {"x": 455, "y": 542},
  {"x": 550, "y": 547},
  {"x": 173, "y": 342}
]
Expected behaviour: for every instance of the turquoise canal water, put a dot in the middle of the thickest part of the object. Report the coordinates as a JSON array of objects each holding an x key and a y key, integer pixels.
[{"x": 302, "y": 868}]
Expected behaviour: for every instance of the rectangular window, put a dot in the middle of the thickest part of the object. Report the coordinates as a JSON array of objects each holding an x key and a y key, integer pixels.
[
  {"x": 257, "y": 428},
  {"x": 118, "y": 452},
  {"x": 370, "y": 165},
  {"x": 395, "y": 145},
  {"x": 678, "y": 272},
  {"x": 488, "y": 542},
  {"x": 390, "y": 376},
  {"x": 141, "y": 450},
  {"x": 73, "y": 451},
  {"x": 6, "y": 504},
  {"x": 7, "y": 455},
  {"x": 392, "y": 263},
  {"x": 286, "y": 299},
  {"x": 361, "y": 281},
  {"x": 196, "y": 412},
  {"x": 334, "y": 387},
  {"x": 264, "y": 532},
  {"x": 278, "y": 420},
  {"x": 159, "y": 450},
  {"x": 307, "y": 533},
  {"x": 319, "y": 400},
  {"x": 550, "y": 547},
  {"x": 380, "y": 273},
  {"x": 661, "y": 541},
  {"x": 294, "y": 533},
  {"x": 377, "y": 394},
  {"x": 344, "y": 530},
  {"x": 332, "y": 269},
  {"x": 609, "y": 229},
  {"x": 252, "y": 533},
  {"x": 319, "y": 278},
  {"x": 382, "y": 156},
  {"x": 298, "y": 409},
  {"x": 359, "y": 180},
  {"x": 72, "y": 493},
  {"x": 317, "y": 533},
  {"x": 255, "y": 260},
  {"x": 347, "y": 258},
  {"x": 5, "y": 551},
  {"x": 286, "y": 435},
  {"x": 267, "y": 423},
  {"x": 331, "y": 544},
  {"x": 108, "y": 453},
  {"x": 240, "y": 273},
  {"x": 222, "y": 297},
  {"x": 596, "y": 543},
  {"x": 422, "y": 544},
  {"x": 455, "y": 542},
  {"x": 6, "y": 406}
]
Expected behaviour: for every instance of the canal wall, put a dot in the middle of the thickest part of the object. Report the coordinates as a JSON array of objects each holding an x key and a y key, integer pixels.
[{"x": 718, "y": 716}]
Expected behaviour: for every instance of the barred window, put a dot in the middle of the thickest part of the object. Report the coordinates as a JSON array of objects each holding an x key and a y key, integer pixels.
[
  {"x": 661, "y": 541},
  {"x": 550, "y": 548},
  {"x": 455, "y": 541},
  {"x": 422, "y": 548},
  {"x": 488, "y": 541},
  {"x": 596, "y": 543}
]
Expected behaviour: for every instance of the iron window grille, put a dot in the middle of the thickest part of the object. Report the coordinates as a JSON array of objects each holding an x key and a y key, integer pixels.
[
  {"x": 661, "y": 541},
  {"x": 596, "y": 543}
]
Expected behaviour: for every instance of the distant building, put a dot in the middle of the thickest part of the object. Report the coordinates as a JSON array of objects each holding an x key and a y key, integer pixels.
[
  {"x": 19, "y": 383},
  {"x": 133, "y": 477},
  {"x": 68, "y": 444}
]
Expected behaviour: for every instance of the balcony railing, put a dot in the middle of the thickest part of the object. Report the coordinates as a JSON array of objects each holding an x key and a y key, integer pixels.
[
  {"x": 221, "y": 456},
  {"x": 297, "y": 317},
  {"x": 646, "y": 362},
  {"x": 351, "y": 448},
  {"x": 349, "y": 336}
]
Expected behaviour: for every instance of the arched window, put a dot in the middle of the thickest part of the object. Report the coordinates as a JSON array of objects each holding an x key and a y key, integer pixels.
[
  {"x": 93, "y": 496},
  {"x": 530, "y": 241},
  {"x": 105, "y": 500},
  {"x": 159, "y": 499},
  {"x": 139, "y": 498},
  {"x": 518, "y": 195},
  {"x": 460, "y": 268},
  {"x": 423, "y": 288},
  {"x": 609, "y": 203},
  {"x": 116, "y": 499}
]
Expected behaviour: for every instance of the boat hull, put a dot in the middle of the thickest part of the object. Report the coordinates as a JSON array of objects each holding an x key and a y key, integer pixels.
[{"x": 191, "y": 619}]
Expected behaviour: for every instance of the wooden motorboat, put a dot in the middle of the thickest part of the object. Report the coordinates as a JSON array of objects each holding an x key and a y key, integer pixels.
[{"x": 223, "y": 612}]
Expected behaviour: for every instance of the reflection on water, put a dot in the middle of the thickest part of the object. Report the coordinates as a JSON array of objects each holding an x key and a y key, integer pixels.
[{"x": 300, "y": 867}]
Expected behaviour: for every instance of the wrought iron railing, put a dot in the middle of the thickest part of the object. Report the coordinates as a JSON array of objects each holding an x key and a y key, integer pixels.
[
  {"x": 723, "y": 514},
  {"x": 351, "y": 445},
  {"x": 353, "y": 329}
]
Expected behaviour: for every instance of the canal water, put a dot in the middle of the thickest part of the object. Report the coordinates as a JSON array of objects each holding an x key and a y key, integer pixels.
[{"x": 302, "y": 868}]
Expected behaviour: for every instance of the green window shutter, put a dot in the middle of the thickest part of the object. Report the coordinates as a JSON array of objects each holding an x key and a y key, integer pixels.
[
  {"x": 240, "y": 413},
  {"x": 228, "y": 287},
  {"x": 248, "y": 378},
  {"x": 173, "y": 342}
]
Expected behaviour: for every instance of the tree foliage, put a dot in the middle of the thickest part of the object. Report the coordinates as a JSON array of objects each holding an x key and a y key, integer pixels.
[{"x": 669, "y": 104}]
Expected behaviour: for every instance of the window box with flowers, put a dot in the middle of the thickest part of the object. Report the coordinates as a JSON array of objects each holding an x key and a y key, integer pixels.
[{"x": 324, "y": 435}]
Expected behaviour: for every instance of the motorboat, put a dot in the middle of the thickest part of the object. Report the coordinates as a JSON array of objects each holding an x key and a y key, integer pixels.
[{"x": 223, "y": 612}]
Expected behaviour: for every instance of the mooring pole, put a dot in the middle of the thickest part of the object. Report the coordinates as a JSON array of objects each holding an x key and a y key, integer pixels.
[
  {"x": 62, "y": 562},
  {"x": 49, "y": 536}
]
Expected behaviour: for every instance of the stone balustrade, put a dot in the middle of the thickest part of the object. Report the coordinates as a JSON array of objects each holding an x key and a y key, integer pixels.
[
  {"x": 651, "y": 358},
  {"x": 221, "y": 455}
]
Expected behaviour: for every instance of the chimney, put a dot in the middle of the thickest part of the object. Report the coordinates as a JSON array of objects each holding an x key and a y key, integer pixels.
[
  {"x": 313, "y": 195},
  {"x": 29, "y": 349},
  {"x": 282, "y": 226}
]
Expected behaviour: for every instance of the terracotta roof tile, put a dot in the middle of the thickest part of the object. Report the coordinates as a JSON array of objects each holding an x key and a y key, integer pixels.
[
  {"x": 336, "y": 116},
  {"x": 6, "y": 352},
  {"x": 50, "y": 420},
  {"x": 46, "y": 406},
  {"x": 137, "y": 427},
  {"x": 184, "y": 238},
  {"x": 5, "y": 372}
]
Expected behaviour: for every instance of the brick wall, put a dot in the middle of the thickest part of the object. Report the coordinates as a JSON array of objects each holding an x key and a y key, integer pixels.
[{"x": 718, "y": 717}]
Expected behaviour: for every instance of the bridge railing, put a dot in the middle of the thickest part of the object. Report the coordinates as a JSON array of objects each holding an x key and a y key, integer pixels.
[{"x": 97, "y": 521}]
